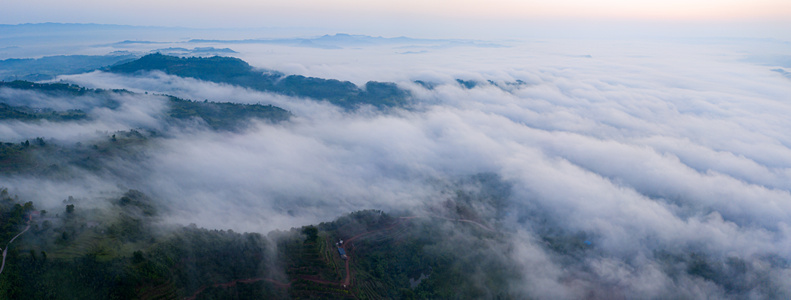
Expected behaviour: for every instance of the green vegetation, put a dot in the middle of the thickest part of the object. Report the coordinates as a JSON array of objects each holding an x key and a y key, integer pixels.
[
  {"x": 217, "y": 115},
  {"x": 55, "y": 88},
  {"x": 12, "y": 215},
  {"x": 47, "y": 68},
  {"x": 224, "y": 115},
  {"x": 26, "y": 114},
  {"x": 49, "y": 159},
  {"x": 119, "y": 247},
  {"x": 120, "y": 251},
  {"x": 237, "y": 72}
]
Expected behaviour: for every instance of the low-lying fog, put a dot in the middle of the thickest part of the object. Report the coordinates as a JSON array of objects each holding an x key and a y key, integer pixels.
[{"x": 644, "y": 146}]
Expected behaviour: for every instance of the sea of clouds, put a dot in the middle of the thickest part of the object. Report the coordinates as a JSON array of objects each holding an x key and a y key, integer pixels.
[{"x": 647, "y": 147}]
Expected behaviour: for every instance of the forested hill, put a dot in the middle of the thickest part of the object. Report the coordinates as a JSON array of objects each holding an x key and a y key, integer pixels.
[
  {"x": 122, "y": 250},
  {"x": 237, "y": 72},
  {"x": 49, "y": 67},
  {"x": 20, "y": 100}
]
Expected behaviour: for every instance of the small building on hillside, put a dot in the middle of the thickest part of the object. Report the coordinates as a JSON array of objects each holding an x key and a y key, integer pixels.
[{"x": 342, "y": 253}]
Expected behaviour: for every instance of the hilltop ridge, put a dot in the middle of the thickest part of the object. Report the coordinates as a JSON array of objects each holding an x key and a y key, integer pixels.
[{"x": 235, "y": 71}]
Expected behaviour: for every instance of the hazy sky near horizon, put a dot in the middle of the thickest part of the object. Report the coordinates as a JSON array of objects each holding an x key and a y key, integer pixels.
[{"x": 767, "y": 18}]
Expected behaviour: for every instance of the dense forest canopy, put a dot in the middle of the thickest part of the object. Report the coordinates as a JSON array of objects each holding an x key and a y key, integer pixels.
[{"x": 121, "y": 251}]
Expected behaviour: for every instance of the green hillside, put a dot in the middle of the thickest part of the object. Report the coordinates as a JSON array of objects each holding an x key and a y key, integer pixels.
[
  {"x": 237, "y": 72},
  {"x": 48, "y": 67},
  {"x": 217, "y": 115},
  {"x": 120, "y": 252}
]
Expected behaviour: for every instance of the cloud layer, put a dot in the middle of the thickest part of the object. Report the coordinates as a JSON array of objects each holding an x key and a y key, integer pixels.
[{"x": 651, "y": 151}]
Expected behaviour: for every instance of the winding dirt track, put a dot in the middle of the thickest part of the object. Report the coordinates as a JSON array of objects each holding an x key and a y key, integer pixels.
[{"x": 30, "y": 218}]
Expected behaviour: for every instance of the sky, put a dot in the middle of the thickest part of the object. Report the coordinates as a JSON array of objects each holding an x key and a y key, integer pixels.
[
  {"x": 647, "y": 146},
  {"x": 499, "y": 18}
]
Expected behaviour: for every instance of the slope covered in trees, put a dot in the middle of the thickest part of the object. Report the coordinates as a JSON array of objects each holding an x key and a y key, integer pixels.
[
  {"x": 217, "y": 115},
  {"x": 123, "y": 247},
  {"x": 48, "y": 67},
  {"x": 121, "y": 251},
  {"x": 237, "y": 72}
]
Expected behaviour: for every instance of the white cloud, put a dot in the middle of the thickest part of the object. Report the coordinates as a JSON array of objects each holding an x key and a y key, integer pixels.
[{"x": 643, "y": 147}]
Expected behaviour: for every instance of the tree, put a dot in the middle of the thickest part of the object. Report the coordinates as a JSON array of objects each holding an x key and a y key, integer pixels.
[
  {"x": 70, "y": 208},
  {"x": 311, "y": 232},
  {"x": 137, "y": 257}
]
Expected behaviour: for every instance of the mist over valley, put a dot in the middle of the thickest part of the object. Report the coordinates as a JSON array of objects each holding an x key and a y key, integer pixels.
[{"x": 177, "y": 163}]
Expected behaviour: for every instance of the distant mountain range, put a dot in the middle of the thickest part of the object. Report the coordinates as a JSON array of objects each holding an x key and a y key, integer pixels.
[
  {"x": 37, "y": 27},
  {"x": 341, "y": 40}
]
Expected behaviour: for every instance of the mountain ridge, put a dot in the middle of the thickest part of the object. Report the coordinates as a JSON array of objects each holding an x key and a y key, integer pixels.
[{"x": 230, "y": 70}]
